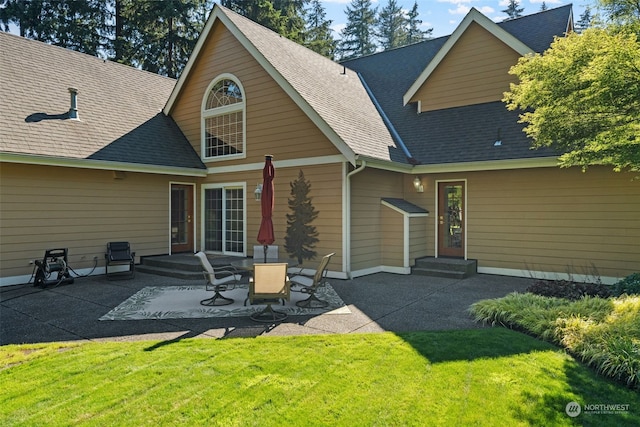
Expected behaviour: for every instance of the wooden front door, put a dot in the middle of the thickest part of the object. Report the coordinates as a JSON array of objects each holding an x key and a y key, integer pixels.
[
  {"x": 451, "y": 219},
  {"x": 181, "y": 218}
]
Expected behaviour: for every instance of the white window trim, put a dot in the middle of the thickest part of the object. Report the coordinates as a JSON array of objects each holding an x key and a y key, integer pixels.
[
  {"x": 223, "y": 186},
  {"x": 206, "y": 113}
]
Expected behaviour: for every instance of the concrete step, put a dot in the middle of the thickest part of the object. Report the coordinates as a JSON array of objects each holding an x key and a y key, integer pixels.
[
  {"x": 170, "y": 272},
  {"x": 445, "y": 267},
  {"x": 438, "y": 273},
  {"x": 180, "y": 266}
]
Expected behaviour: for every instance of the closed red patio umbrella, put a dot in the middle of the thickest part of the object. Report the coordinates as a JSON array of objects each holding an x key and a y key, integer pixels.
[{"x": 265, "y": 234}]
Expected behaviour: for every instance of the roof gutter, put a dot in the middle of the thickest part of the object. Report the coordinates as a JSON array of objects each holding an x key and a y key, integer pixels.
[
  {"x": 387, "y": 122},
  {"x": 32, "y": 159}
]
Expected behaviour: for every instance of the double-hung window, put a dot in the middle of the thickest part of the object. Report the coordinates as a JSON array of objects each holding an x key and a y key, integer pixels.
[{"x": 223, "y": 119}]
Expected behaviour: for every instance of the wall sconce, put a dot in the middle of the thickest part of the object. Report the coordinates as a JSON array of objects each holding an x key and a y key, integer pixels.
[
  {"x": 258, "y": 192},
  {"x": 417, "y": 184}
]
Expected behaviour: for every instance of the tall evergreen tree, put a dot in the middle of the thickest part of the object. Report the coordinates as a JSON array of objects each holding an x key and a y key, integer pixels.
[
  {"x": 285, "y": 17},
  {"x": 392, "y": 26},
  {"x": 162, "y": 33},
  {"x": 513, "y": 10},
  {"x": 358, "y": 35},
  {"x": 318, "y": 34},
  {"x": 75, "y": 24},
  {"x": 414, "y": 33},
  {"x": 585, "y": 20},
  {"x": 543, "y": 7},
  {"x": 301, "y": 236}
]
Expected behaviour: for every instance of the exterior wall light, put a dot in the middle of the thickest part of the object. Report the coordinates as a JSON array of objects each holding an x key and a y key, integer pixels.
[
  {"x": 258, "y": 192},
  {"x": 417, "y": 184}
]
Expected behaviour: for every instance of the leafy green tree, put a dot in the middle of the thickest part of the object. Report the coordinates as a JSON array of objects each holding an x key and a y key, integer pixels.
[
  {"x": 301, "y": 236},
  {"x": 392, "y": 26},
  {"x": 318, "y": 34},
  {"x": 582, "y": 96},
  {"x": 414, "y": 33},
  {"x": 513, "y": 10},
  {"x": 622, "y": 12},
  {"x": 358, "y": 35}
]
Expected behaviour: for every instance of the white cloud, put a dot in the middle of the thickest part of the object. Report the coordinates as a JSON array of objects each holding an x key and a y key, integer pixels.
[
  {"x": 455, "y": 1},
  {"x": 460, "y": 10}
]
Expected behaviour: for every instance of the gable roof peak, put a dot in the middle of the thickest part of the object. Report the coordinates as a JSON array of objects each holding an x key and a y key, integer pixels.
[{"x": 473, "y": 16}]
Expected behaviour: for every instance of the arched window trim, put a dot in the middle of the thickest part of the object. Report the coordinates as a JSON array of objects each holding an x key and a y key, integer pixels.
[{"x": 226, "y": 109}]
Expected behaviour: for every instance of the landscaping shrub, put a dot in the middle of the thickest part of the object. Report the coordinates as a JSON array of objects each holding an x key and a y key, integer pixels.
[
  {"x": 568, "y": 289},
  {"x": 630, "y": 285},
  {"x": 604, "y": 333}
]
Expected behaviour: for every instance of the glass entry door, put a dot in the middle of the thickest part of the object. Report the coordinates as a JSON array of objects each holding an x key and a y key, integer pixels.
[
  {"x": 451, "y": 219},
  {"x": 181, "y": 218},
  {"x": 224, "y": 224}
]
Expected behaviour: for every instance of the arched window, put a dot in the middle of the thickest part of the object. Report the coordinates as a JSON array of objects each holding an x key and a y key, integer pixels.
[{"x": 223, "y": 113}]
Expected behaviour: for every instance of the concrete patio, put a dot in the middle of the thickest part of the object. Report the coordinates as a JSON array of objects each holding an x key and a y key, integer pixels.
[{"x": 378, "y": 302}]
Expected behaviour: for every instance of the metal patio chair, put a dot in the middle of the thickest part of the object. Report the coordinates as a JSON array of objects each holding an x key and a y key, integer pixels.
[
  {"x": 119, "y": 253},
  {"x": 218, "y": 279},
  {"x": 309, "y": 285},
  {"x": 269, "y": 285}
]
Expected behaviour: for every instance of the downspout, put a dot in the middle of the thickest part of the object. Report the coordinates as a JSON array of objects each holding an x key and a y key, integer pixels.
[
  {"x": 396, "y": 136},
  {"x": 347, "y": 231}
]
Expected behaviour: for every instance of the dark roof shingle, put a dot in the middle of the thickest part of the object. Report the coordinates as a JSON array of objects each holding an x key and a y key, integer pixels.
[
  {"x": 461, "y": 134},
  {"x": 119, "y": 108}
]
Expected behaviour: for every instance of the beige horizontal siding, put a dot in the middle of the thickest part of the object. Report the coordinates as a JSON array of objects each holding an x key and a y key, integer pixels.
[
  {"x": 367, "y": 188},
  {"x": 455, "y": 82},
  {"x": 274, "y": 123},
  {"x": 326, "y": 194},
  {"x": 392, "y": 237},
  {"x": 45, "y": 207},
  {"x": 419, "y": 232},
  {"x": 555, "y": 220}
]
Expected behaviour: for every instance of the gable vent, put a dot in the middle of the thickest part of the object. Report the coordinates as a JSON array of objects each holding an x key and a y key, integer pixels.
[{"x": 73, "y": 109}]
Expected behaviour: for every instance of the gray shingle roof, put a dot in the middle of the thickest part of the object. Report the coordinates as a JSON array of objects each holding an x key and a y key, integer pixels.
[
  {"x": 405, "y": 206},
  {"x": 119, "y": 108},
  {"x": 462, "y": 134},
  {"x": 335, "y": 100}
]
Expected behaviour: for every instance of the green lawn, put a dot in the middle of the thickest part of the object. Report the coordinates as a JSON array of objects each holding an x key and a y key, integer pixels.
[{"x": 491, "y": 377}]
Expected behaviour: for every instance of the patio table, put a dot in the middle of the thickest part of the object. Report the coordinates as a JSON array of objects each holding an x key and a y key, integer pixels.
[{"x": 248, "y": 263}]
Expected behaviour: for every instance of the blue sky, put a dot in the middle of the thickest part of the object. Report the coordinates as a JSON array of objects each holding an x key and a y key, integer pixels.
[{"x": 445, "y": 15}]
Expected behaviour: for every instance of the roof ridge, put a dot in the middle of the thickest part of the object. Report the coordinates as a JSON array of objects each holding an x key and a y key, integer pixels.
[{"x": 87, "y": 56}]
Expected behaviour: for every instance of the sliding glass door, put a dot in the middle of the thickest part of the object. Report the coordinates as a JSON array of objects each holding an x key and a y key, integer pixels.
[{"x": 224, "y": 219}]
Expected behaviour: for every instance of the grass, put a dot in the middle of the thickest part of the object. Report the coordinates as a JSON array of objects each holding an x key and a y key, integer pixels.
[
  {"x": 479, "y": 377},
  {"x": 602, "y": 332}
]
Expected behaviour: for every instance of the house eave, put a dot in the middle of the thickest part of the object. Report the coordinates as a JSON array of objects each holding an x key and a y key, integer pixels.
[
  {"x": 31, "y": 159},
  {"x": 489, "y": 165}
]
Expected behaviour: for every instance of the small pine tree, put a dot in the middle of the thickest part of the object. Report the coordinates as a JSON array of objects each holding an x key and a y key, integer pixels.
[
  {"x": 585, "y": 21},
  {"x": 301, "y": 235},
  {"x": 513, "y": 10}
]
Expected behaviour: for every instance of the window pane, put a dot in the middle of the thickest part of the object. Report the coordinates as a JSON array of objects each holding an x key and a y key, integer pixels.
[
  {"x": 225, "y": 92},
  {"x": 224, "y": 227},
  {"x": 213, "y": 220}
]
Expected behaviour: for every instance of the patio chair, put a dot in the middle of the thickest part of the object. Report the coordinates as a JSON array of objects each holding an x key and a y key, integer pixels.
[
  {"x": 218, "y": 279},
  {"x": 309, "y": 285},
  {"x": 269, "y": 285},
  {"x": 119, "y": 253}
]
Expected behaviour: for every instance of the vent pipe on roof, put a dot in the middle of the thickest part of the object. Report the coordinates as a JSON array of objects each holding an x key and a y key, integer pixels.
[{"x": 73, "y": 109}]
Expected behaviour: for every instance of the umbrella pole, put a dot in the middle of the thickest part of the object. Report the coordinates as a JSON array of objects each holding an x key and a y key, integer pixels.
[{"x": 265, "y": 253}]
